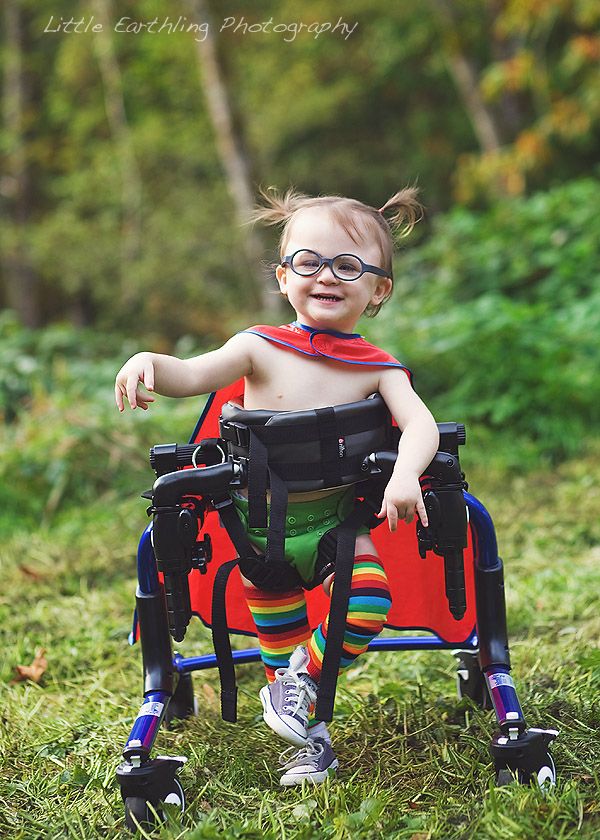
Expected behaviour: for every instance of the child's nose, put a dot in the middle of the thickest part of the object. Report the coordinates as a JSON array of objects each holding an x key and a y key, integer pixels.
[{"x": 326, "y": 275}]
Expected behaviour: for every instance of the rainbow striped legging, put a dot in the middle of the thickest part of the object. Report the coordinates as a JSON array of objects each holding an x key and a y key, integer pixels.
[{"x": 282, "y": 622}]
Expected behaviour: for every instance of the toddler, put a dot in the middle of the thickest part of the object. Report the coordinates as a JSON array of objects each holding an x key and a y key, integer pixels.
[{"x": 335, "y": 265}]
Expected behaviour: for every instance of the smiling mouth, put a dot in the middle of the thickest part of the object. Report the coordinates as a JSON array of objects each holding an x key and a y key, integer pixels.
[{"x": 326, "y": 297}]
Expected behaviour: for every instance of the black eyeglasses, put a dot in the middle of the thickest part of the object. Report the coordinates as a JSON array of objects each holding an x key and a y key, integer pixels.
[{"x": 345, "y": 266}]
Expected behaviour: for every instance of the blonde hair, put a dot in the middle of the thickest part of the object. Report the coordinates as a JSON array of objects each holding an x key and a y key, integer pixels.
[{"x": 396, "y": 217}]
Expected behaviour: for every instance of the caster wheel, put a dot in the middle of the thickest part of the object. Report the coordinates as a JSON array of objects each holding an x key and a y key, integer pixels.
[
  {"x": 175, "y": 796},
  {"x": 526, "y": 759},
  {"x": 504, "y": 777},
  {"x": 470, "y": 681},
  {"x": 139, "y": 814},
  {"x": 546, "y": 775},
  {"x": 183, "y": 703}
]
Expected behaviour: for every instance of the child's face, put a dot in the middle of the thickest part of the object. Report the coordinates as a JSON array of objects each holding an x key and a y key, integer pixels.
[{"x": 324, "y": 301}]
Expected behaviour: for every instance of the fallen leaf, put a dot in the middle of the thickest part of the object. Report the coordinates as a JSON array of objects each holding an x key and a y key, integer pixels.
[
  {"x": 35, "y": 671},
  {"x": 210, "y": 694},
  {"x": 30, "y": 573}
]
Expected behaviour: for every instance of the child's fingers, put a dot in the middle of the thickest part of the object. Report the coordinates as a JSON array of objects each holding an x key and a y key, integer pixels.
[
  {"x": 141, "y": 395},
  {"x": 392, "y": 517},
  {"x": 381, "y": 513},
  {"x": 131, "y": 389},
  {"x": 119, "y": 397},
  {"x": 422, "y": 511},
  {"x": 143, "y": 399},
  {"x": 149, "y": 376}
]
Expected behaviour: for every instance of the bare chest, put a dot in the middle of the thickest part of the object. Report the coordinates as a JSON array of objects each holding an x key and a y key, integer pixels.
[{"x": 291, "y": 381}]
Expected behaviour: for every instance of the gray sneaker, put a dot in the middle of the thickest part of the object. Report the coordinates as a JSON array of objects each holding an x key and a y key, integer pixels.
[
  {"x": 287, "y": 701},
  {"x": 314, "y": 762}
]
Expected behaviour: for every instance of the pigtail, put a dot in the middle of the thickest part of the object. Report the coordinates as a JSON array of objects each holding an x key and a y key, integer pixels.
[
  {"x": 277, "y": 208},
  {"x": 407, "y": 210}
]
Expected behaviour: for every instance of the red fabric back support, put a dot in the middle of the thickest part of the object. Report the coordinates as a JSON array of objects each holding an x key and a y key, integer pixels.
[{"x": 417, "y": 585}]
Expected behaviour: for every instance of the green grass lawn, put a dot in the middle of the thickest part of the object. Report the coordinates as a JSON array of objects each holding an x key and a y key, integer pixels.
[{"x": 414, "y": 761}]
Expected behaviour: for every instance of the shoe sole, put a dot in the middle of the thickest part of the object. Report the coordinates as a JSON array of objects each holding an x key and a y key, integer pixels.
[
  {"x": 272, "y": 719},
  {"x": 287, "y": 780}
]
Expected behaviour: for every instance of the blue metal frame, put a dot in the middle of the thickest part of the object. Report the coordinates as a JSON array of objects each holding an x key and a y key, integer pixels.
[
  {"x": 146, "y": 564},
  {"x": 485, "y": 548},
  {"x": 146, "y": 725},
  {"x": 485, "y": 553},
  {"x": 499, "y": 682}
]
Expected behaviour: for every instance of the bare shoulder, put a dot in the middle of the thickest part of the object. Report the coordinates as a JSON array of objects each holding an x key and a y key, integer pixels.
[
  {"x": 244, "y": 345},
  {"x": 394, "y": 378}
]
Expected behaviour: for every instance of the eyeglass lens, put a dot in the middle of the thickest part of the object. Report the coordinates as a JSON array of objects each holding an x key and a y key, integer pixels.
[{"x": 344, "y": 266}]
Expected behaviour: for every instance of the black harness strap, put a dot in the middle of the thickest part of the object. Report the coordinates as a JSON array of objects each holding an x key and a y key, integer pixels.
[
  {"x": 233, "y": 525},
  {"x": 219, "y": 629},
  {"x": 344, "y": 562},
  {"x": 305, "y": 470},
  {"x": 340, "y": 596},
  {"x": 278, "y": 510},
  {"x": 258, "y": 466},
  {"x": 328, "y": 437},
  {"x": 258, "y": 470},
  {"x": 222, "y": 645}
]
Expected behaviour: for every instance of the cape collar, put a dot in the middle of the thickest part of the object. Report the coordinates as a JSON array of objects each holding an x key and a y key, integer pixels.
[
  {"x": 350, "y": 348},
  {"x": 315, "y": 330}
]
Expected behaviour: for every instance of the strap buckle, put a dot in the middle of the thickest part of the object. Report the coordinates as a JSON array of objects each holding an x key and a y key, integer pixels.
[{"x": 235, "y": 433}]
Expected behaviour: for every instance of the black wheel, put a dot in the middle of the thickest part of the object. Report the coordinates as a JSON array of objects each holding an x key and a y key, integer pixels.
[
  {"x": 504, "y": 777},
  {"x": 175, "y": 796},
  {"x": 182, "y": 704},
  {"x": 138, "y": 814},
  {"x": 470, "y": 681},
  {"x": 546, "y": 775}
]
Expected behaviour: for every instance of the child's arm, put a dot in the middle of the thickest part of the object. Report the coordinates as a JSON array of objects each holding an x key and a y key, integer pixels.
[
  {"x": 173, "y": 377},
  {"x": 418, "y": 444}
]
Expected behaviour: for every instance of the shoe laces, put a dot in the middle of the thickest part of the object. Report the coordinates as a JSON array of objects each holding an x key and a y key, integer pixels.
[
  {"x": 298, "y": 693},
  {"x": 308, "y": 754}
]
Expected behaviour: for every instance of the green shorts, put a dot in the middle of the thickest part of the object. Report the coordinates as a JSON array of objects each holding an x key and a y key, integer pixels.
[{"x": 305, "y": 524}]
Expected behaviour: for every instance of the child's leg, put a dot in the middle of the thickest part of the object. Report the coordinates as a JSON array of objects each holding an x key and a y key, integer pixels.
[
  {"x": 281, "y": 624},
  {"x": 368, "y": 607}
]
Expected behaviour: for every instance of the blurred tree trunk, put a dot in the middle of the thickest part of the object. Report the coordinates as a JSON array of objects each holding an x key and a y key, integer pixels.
[
  {"x": 114, "y": 103},
  {"x": 514, "y": 107},
  {"x": 22, "y": 292},
  {"x": 230, "y": 149},
  {"x": 465, "y": 77}
]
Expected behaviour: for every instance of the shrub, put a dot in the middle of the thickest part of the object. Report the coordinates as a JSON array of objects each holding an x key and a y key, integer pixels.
[{"x": 498, "y": 312}]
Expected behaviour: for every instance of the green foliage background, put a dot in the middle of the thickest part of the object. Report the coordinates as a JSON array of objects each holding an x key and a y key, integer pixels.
[{"x": 496, "y": 308}]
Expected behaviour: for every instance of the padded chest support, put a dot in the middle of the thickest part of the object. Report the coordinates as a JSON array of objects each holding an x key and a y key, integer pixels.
[{"x": 314, "y": 449}]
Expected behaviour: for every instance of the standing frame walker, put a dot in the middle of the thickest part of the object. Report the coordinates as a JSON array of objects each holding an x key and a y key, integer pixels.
[{"x": 450, "y": 575}]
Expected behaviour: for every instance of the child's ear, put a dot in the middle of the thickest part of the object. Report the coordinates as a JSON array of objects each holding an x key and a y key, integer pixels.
[
  {"x": 382, "y": 290},
  {"x": 281, "y": 276}
]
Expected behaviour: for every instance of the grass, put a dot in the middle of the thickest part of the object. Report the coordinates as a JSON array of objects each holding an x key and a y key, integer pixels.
[{"x": 414, "y": 761}]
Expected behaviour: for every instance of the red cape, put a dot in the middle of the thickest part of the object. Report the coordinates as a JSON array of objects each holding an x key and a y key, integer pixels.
[
  {"x": 342, "y": 347},
  {"x": 417, "y": 585}
]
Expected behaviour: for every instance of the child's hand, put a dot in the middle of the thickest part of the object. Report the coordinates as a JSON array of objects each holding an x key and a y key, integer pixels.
[
  {"x": 401, "y": 498},
  {"x": 139, "y": 369}
]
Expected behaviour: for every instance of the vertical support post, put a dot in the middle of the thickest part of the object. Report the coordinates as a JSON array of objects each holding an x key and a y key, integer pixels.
[{"x": 494, "y": 656}]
